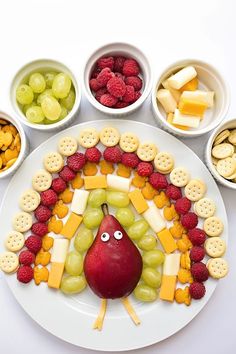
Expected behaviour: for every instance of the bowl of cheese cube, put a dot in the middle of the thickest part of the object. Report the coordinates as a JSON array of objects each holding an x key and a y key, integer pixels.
[{"x": 190, "y": 98}]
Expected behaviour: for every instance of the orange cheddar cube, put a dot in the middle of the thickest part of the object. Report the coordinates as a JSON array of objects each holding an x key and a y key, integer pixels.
[
  {"x": 71, "y": 225},
  {"x": 192, "y": 85},
  {"x": 170, "y": 117},
  {"x": 168, "y": 284},
  {"x": 94, "y": 182},
  {"x": 55, "y": 275},
  {"x": 192, "y": 108},
  {"x": 167, "y": 241},
  {"x": 138, "y": 201}
]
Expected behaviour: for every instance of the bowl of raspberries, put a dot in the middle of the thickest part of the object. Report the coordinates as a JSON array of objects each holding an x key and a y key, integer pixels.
[{"x": 117, "y": 79}]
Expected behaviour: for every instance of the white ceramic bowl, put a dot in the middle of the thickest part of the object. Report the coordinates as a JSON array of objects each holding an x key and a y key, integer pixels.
[
  {"x": 24, "y": 146},
  {"x": 123, "y": 49},
  {"x": 209, "y": 79},
  {"x": 43, "y": 65},
  {"x": 231, "y": 124}
]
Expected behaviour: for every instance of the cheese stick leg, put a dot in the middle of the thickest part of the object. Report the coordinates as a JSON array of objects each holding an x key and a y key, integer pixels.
[{"x": 99, "y": 321}]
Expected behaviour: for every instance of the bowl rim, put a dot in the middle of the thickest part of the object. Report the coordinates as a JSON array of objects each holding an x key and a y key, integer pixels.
[
  {"x": 61, "y": 123},
  {"x": 133, "y": 106},
  {"x": 211, "y": 126},
  {"x": 218, "y": 130},
  {"x": 24, "y": 143}
]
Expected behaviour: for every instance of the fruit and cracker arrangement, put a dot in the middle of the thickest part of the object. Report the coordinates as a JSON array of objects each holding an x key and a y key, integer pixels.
[{"x": 114, "y": 213}]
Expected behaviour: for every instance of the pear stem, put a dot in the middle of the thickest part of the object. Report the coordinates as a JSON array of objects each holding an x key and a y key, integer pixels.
[{"x": 105, "y": 209}]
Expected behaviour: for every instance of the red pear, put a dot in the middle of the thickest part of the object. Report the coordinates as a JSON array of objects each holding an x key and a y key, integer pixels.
[{"x": 113, "y": 264}]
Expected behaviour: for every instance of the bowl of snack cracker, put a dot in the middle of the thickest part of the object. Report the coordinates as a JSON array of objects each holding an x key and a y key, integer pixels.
[
  {"x": 190, "y": 98},
  {"x": 117, "y": 79},
  {"x": 220, "y": 154},
  {"x": 45, "y": 95},
  {"x": 13, "y": 145}
]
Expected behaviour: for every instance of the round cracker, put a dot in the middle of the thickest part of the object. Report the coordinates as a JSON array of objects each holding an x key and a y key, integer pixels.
[
  {"x": 42, "y": 180},
  {"x": 147, "y": 151},
  {"x": 205, "y": 207},
  {"x": 109, "y": 136},
  {"x": 29, "y": 200},
  {"x": 222, "y": 151},
  {"x": 221, "y": 137},
  {"x": 53, "y": 162},
  {"x": 22, "y": 221},
  {"x": 232, "y": 137},
  {"x": 226, "y": 167},
  {"x": 9, "y": 262},
  {"x": 195, "y": 190},
  {"x": 88, "y": 138},
  {"x": 67, "y": 146},
  {"x": 213, "y": 226},
  {"x": 179, "y": 176},
  {"x": 215, "y": 247},
  {"x": 129, "y": 142},
  {"x": 164, "y": 162},
  {"x": 14, "y": 241},
  {"x": 217, "y": 267}
]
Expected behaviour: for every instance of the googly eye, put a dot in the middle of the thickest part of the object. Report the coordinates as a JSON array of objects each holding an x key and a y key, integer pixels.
[
  {"x": 118, "y": 235},
  {"x": 105, "y": 237}
]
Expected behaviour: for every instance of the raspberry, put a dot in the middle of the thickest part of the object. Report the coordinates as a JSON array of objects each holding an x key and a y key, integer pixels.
[
  {"x": 173, "y": 192},
  {"x": 104, "y": 76},
  {"x": 94, "y": 85},
  {"x": 189, "y": 220},
  {"x": 76, "y": 161},
  {"x": 25, "y": 274},
  {"x": 137, "y": 95},
  {"x": 95, "y": 73},
  {"x": 182, "y": 205},
  {"x": 129, "y": 95},
  {"x": 197, "y": 254},
  {"x": 108, "y": 100},
  {"x": 119, "y": 63},
  {"x": 93, "y": 154},
  {"x": 197, "y": 290},
  {"x": 67, "y": 174},
  {"x": 112, "y": 154},
  {"x": 116, "y": 87},
  {"x": 130, "y": 68},
  {"x": 58, "y": 185},
  {"x": 121, "y": 104},
  {"x": 119, "y": 75},
  {"x": 144, "y": 169},
  {"x": 100, "y": 92},
  {"x": 39, "y": 228},
  {"x": 197, "y": 236},
  {"x": 26, "y": 257},
  {"x": 42, "y": 213},
  {"x": 134, "y": 81},
  {"x": 33, "y": 243},
  {"x": 130, "y": 159},
  {"x": 199, "y": 272},
  {"x": 158, "y": 181},
  {"x": 48, "y": 198},
  {"x": 106, "y": 62}
]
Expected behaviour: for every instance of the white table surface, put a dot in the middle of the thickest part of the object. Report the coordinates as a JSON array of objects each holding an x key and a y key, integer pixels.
[{"x": 166, "y": 31}]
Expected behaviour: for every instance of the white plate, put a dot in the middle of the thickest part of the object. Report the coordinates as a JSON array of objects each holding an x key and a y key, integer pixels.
[{"x": 71, "y": 318}]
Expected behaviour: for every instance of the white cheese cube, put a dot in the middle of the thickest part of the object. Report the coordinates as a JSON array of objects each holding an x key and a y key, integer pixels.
[
  {"x": 59, "y": 251},
  {"x": 205, "y": 97},
  {"x": 119, "y": 183},
  {"x": 182, "y": 77},
  {"x": 167, "y": 100},
  {"x": 154, "y": 218},
  {"x": 171, "y": 264},
  {"x": 79, "y": 201},
  {"x": 175, "y": 93},
  {"x": 186, "y": 120}
]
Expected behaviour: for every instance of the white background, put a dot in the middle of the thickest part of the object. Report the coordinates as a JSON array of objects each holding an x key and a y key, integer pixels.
[{"x": 165, "y": 30}]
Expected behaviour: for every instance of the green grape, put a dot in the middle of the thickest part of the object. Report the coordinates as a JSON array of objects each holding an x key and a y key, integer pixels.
[
  {"x": 97, "y": 197},
  {"x": 74, "y": 263},
  {"x": 51, "y": 108},
  {"x": 118, "y": 199},
  {"x": 46, "y": 93},
  {"x": 63, "y": 113},
  {"x": 151, "y": 277},
  {"x": 24, "y": 94},
  {"x": 35, "y": 114},
  {"x": 49, "y": 77},
  {"x": 61, "y": 85},
  {"x": 93, "y": 217},
  {"x": 73, "y": 284},
  {"x": 153, "y": 258},
  {"x": 37, "y": 82},
  {"x": 145, "y": 293},
  {"x": 138, "y": 229},
  {"x": 147, "y": 242},
  {"x": 68, "y": 101},
  {"x": 47, "y": 121},
  {"x": 125, "y": 216},
  {"x": 27, "y": 106},
  {"x": 83, "y": 240}
]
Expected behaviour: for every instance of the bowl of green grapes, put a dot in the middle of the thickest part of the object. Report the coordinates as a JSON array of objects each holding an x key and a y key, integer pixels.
[{"x": 45, "y": 95}]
